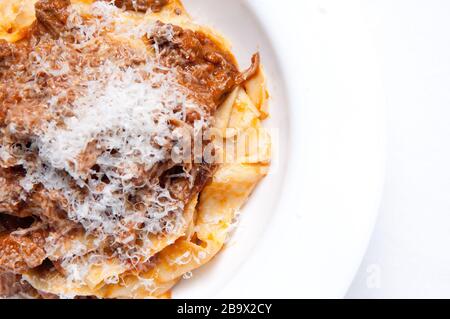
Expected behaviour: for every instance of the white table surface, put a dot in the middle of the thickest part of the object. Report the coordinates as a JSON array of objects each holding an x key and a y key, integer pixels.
[{"x": 409, "y": 255}]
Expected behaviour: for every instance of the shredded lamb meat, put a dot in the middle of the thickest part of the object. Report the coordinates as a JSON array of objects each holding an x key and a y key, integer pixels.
[
  {"x": 141, "y": 5},
  {"x": 19, "y": 253},
  {"x": 32, "y": 212},
  {"x": 52, "y": 15}
]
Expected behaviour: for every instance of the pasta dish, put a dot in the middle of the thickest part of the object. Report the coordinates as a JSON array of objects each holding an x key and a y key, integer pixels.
[{"x": 129, "y": 140}]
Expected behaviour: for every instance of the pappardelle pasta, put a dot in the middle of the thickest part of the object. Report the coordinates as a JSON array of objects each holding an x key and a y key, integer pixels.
[{"x": 129, "y": 139}]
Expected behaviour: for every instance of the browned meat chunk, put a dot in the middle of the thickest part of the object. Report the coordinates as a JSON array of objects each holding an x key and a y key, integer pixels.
[
  {"x": 10, "y": 193},
  {"x": 19, "y": 253},
  {"x": 52, "y": 15},
  {"x": 13, "y": 285},
  {"x": 8, "y": 284},
  {"x": 5, "y": 50},
  {"x": 203, "y": 66},
  {"x": 141, "y": 5},
  {"x": 47, "y": 205}
]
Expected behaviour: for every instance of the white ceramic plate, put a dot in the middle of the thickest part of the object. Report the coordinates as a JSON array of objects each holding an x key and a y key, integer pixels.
[{"x": 305, "y": 229}]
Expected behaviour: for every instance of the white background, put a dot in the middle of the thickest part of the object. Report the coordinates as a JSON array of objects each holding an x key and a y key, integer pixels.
[{"x": 409, "y": 254}]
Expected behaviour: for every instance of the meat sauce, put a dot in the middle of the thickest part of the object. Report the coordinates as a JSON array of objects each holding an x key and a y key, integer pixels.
[
  {"x": 207, "y": 70},
  {"x": 202, "y": 65},
  {"x": 142, "y": 5},
  {"x": 52, "y": 15},
  {"x": 21, "y": 252}
]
